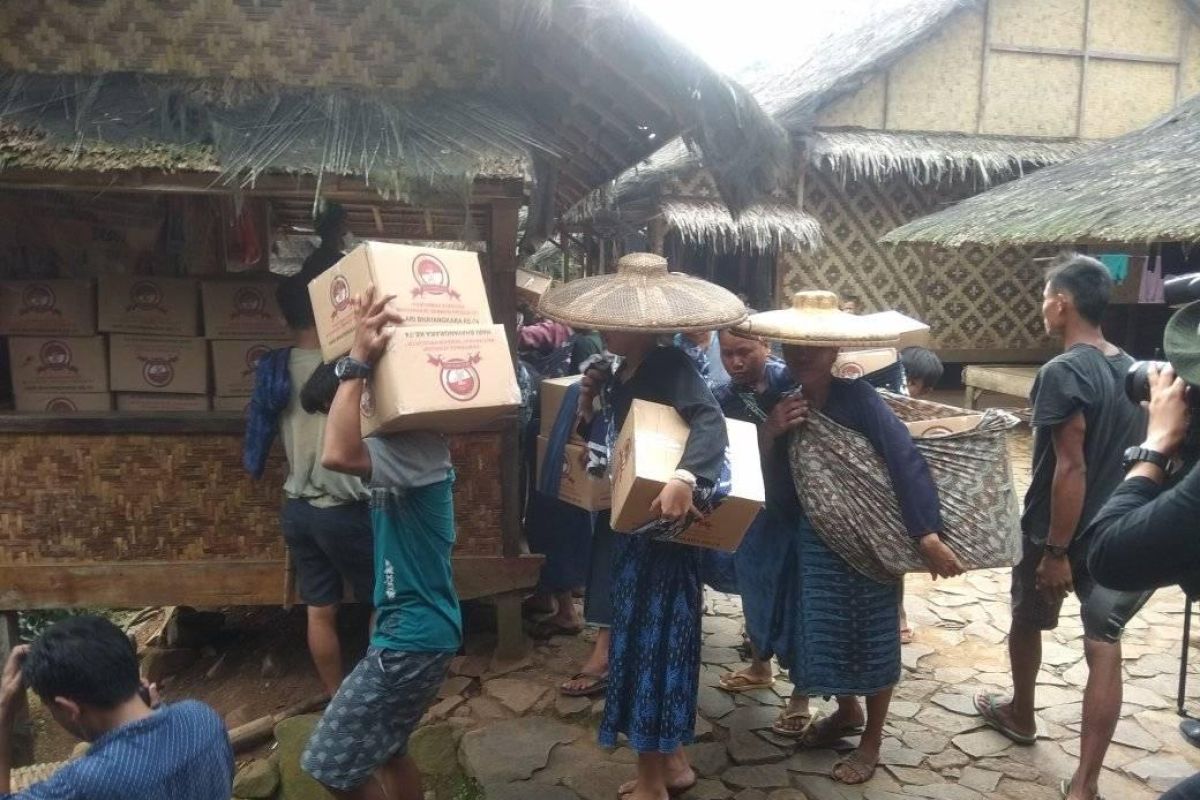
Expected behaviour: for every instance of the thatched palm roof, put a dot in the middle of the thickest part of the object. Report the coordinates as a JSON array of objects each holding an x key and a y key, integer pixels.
[
  {"x": 580, "y": 88},
  {"x": 1141, "y": 187}
]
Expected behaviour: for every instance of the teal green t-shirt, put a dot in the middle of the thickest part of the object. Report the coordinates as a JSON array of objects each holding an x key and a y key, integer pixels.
[{"x": 415, "y": 601}]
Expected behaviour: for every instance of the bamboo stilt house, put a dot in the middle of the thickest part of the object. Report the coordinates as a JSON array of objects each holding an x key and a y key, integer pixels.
[
  {"x": 182, "y": 137},
  {"x": 917, "y": 106}
]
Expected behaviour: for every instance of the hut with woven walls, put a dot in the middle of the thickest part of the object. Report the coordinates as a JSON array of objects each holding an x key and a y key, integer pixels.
[
  {"x": 917, "y": 106},
  {"x": 184, "y": 138}
]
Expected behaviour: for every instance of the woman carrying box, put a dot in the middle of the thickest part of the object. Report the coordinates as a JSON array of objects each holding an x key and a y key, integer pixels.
[{"x": 654, "y": 654}]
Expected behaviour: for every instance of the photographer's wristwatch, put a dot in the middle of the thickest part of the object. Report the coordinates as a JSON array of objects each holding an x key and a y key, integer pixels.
[
  {"x": 349, "y": 369},
  {"x": 1136, "y": 455}
]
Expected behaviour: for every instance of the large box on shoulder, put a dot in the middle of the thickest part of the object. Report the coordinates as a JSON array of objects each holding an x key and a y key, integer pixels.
[
  {"x": 577, "y": 486},
  {"x": 531, "y": 286},
  {"x": 58, "y": 364},
  {"x": 944, "y": 426},
  {"x": 168, "y": 364},
  {"x": 242, "y": 310},
  {"x": 48, "y": 308},
  {"x": 551, "y": 394},
  {"x": 451, "y": 379},
  {"x": 647, "y": 454},
  {"x": 148, "y": 305},
  {"x": 234, "y": 363},
  {"x": 431, "y": 287},
  {"x": 913, "y": 332},
  {"x": 856, "y": 363}
]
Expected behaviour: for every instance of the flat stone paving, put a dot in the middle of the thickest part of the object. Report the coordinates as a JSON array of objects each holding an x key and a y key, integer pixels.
[{"x": 935, "y": 746}]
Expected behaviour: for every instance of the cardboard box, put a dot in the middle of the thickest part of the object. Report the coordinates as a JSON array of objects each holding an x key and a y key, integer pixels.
[
  {"x": 234, "y": 362},
  {"x": 914, "y": 333},
  {"x": 937, "y": 428},
  {"x": 242, "y": 310},
  {"x": 646, "y": 456},
  {"x": 449, "y": 379},
  {"x": 64, "y": 402},
  {"x": 240, "y": 405},
  {"x": 159, "y": 401},
  {"x": 550, "y": 398},
  {"x": 144, "y": 304},
  {"x": 47, "y": 308},
  {"x": 59, "y": 365},
  {"x": 531, "y": 286},
  {"x": 431, "y": 287},
  {"x": 856, "y": 363},
  {"x": 173, "y": 365},
  {"x": 576, "y": 486}
]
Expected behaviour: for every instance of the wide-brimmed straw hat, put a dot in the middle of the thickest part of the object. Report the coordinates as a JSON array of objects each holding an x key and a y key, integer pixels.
[
  {"x": 816, "y": 320},
  {"x": 1181, "y": 341},
  {"x": 643, "y": 296}
]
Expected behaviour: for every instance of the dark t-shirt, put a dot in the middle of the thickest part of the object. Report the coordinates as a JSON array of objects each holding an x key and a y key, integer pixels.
[{"x": 1084, "y": 380}]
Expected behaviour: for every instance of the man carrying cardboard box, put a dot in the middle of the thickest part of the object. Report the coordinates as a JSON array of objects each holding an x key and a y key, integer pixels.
[{"x": 359, "y": 749}]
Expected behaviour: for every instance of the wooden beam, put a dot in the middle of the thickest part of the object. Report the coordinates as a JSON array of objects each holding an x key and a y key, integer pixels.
[
  {"x": 1097, "y": 55},
  {"x": 1081, "y": 108},
  {"x": 984, "y": 67},
  {"x": 1185, "y": 32}
]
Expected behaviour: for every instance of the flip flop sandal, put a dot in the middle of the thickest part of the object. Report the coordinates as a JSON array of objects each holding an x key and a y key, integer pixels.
[
  {"x": 1064, "y": 789},
  {"x": 985, "y": 704},
  {"x": 858, "y": 768},
  {"x": 734, "y": 682},
  {"x": 781, "y": 728},
  {"x": 599, "y": 685},
  {"x": 820, "y": 733},
  {"x": 548, "y": 629}
]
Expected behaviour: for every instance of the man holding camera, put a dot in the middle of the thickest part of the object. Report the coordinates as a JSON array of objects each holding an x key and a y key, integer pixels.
[{"x": 1083, "y": 423}]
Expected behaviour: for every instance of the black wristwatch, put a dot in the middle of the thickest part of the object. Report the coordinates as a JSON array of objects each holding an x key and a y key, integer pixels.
[
  {"x": 1135, "y": 455},
  {"x": 349, "y": 369}
]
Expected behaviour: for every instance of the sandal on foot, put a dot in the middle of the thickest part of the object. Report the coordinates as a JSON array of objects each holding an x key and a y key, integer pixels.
[
  {"x": 548, "y": 629},
  {"x": 985, "y": 704},
  {"x": 823, "y": 732},
  {"x": 792, "y": 724},
  {"x": 598, "y": 685},
  {"x": 1064, "y": 788},
  {"x": 859, "y": 768},
  {"x": 735, "y": 682}
]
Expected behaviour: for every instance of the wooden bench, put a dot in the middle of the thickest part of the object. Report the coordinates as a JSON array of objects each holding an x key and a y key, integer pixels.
[{"x": 1005, "y": 379}]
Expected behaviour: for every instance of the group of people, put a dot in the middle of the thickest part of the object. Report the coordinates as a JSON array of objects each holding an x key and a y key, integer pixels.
[{"x": 378, "y": 512}]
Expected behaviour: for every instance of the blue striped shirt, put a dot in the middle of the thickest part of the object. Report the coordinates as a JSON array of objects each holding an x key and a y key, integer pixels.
[{"x": 181, "y": 752}]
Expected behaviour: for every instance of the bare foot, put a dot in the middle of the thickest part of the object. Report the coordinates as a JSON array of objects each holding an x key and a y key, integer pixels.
[{"x": 631, "y": 791}]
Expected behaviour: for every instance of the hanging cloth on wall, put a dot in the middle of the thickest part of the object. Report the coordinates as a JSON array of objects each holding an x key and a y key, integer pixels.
[
  {"x": 1151, "y": 290},
  {"x": 1117, "y": 265}
]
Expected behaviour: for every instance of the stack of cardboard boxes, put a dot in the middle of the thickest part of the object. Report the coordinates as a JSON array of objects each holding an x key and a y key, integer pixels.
[
  {"x": 447, "y": 367},
  {"x": 133, "y": 342}
]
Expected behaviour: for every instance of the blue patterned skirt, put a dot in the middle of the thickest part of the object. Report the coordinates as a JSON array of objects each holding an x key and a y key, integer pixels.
[
  {"x": 835, "y": 629},
  {"x": 654, "y": 658}
]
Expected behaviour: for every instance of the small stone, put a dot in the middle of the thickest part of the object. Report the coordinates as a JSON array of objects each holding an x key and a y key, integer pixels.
[
  {"x": 453, "y": 686},
  {"x": 719, "y": 655},
  {"x": 1130, "y": 734},
  {"x": 707, "y": 790},
  {"x": 746, "y": 748},
  {"x": 758, "y": 776},
  {"x": 952, "y": 676},
  {"x": 958, "y": 703},
  {"x": 514, "y": 694},
  {"x": 256, "y": 779},
  {"x": 498, "y": 666},
  {"x": 899, "y": 756},
  {"x": 486, "y": 709},
  {"x": 812, "y": 762},
  {"x": 749, "y": 718},
  {"x": 714, "y": 703},
  {"x": 926, "y": 741},
  {"x": 598, "y": 782},
  {"x": 468, "y": 666},
  {"x": 724, "y": 639},
  {"x": 704, "y": 729},
  {"x": 1066, "y": 714},
  {"x": 1057, "y": 655},
  {"x": 1049, "y": 696},
  {"x": 1161, "y": 770},
  {"x": 915, "y": 777},
  {"x": 981, "y": 744},
  {"x": 903, "y": 709},
  {"x": 513, "y": 750},
  {"x": 445, "y": 708},
  {"x": 434, "y": 748},
  {"x": 912, "y": 654},
  {"x": 709, "y": 759},
  {"x": 160, "y": 662},
  {"x": 980, "y": 780},
  {"x": 948, "y": 722},
  {"x": 571, "y": 707},
  {"x": 948, "y": 759},
  {"x": 1136, "y": 695}
]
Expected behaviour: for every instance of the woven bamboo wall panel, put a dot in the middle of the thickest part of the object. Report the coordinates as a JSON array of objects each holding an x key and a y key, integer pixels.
[
  {"x": 87, "y": 499},
  {"x": 862, "y": 109},
  {"x": 1038, "y": 23},
  {"x": 936, "y": 88},
  {"x": 1145, "y": 27},
  {"x": 691, "y": 181},
  {"x": 376, "y": 43},
  {"x": 1032, "y": 95},
  {"x": 1123, "y": 95},
  {"x": 973, "y": 298}
]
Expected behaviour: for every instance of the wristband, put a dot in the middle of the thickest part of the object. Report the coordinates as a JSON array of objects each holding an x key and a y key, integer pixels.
[{"x": 683, "y": 476}]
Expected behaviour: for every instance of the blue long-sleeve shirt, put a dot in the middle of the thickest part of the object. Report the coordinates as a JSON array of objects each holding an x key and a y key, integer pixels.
[{"x": 181, "y": 752}]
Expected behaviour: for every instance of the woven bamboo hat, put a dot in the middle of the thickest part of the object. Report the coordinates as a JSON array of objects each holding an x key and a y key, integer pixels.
[
  {"x": 816, "y": 319},
  {"x": 643, "y": 296}
]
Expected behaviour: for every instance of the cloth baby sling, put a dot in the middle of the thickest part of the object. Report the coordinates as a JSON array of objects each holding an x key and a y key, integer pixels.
[{"x": 847, "y": 493}]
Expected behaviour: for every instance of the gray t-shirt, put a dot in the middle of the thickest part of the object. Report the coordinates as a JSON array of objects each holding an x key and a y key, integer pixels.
[
  {"x": 1085, "y": 380},
  {"x": 408, "y": 460}
]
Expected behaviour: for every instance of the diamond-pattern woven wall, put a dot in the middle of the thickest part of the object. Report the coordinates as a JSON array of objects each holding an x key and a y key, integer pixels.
[
  {"x": 416, "y": 44},
  {"x": 974, "y": 298}
]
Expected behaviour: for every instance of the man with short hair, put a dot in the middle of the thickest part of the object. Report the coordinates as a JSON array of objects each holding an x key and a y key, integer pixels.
[
  {"x": 325, "y": 519},
  {"x": 1083, "y": 423},
  {"x": 922, "y": 370},
  {"x": 85, "y": 671}
]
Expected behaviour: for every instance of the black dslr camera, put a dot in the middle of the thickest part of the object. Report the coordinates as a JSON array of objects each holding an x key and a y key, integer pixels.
[{"x": 1177, "y": 291}]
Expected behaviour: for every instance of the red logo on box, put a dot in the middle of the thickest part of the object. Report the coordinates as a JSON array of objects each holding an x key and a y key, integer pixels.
[
  {"x": 55, "y": 356},
  {"x": 459, "y": 378},
  {"x": 248, "y": 301},
  {"x": 936, "y": 432},
  {"x": 851, "y": 370},
  {"x": 432, "y": 277},
  {"x": 339, "y": 294},
  {"x": 145, "y": 296},
  {"x": 61, "y": 404},
  {"x": 253, "y": 355},
  {"x": 158, "y": 372},
  {"x": 38, "y": 298}
]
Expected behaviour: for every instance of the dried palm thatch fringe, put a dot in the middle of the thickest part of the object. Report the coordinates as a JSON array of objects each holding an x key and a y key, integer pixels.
[
  {"x": 1141, "y": 187},
  {"x": 795, "y": 92},
  {"x": 927, "y": 158},
  {"x": 763, "y": 227}
]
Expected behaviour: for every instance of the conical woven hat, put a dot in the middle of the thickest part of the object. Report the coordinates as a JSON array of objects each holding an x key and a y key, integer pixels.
[
  {"x": 816, "y": 319},
  {"x": 643, "y": 296}
]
